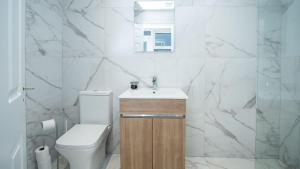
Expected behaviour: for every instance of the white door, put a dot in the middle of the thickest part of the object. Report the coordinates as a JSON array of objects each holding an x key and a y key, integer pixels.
[{"x": 12, "y": 107}]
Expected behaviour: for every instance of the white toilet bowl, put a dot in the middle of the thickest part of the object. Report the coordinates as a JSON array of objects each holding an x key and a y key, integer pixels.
[{"x": 84, "y": 145}]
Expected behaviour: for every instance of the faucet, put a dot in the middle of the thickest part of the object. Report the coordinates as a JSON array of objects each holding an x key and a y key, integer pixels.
[{"x": 154, "y": 83}]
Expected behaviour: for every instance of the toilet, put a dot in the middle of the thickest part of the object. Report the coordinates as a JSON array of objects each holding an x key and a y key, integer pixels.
[{"x": 84, "y": 144}]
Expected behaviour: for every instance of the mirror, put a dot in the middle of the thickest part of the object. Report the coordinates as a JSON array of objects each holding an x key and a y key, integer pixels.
[{"x": 154, "y": 26}]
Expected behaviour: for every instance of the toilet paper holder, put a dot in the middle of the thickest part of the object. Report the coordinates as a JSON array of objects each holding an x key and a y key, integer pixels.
[{"x": 48, "y": 125}]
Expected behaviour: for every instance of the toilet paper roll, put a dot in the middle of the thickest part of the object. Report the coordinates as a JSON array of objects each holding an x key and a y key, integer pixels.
[
  {"x": 43, "y": 157},
  {"x": 44, "y": 165},
  {"x": 42, "y": 153},
  {"x": 48, "y": 125}
]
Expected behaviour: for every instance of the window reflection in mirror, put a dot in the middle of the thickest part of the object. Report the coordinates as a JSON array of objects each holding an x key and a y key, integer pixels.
[{"x": 154, "y": 26}]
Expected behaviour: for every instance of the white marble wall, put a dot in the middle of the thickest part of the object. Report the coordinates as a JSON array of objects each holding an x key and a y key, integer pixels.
[
  {"x": 43, "y": 72},
  {"x": 214, "y": 62},
  {"x": 83, "y": 51}
]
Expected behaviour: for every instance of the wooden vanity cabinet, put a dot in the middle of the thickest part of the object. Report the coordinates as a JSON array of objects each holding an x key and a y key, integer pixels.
[
  {"x": 152, "y": 137},
  {"x": 168, "y": 143},
  {"x": 136, "y": 143}
]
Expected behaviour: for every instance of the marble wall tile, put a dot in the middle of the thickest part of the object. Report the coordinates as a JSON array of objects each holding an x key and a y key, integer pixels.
[
  {"x": 230, "y": 97},
  {"x": 191, "y": 78},
  {"x": 43, "y": 73},
  {"x": 190, "y": 36},
  {"x": 227, "y": 29},
  {"x": 83, "y": 52},
  {"x": 119, "y": 22},
  {"x": 203, "y": 49},
  {"x": 83, "y": 30}
]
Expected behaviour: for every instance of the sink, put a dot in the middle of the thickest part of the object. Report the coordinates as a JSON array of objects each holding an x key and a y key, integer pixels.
[{"x": 160, "y": 93}]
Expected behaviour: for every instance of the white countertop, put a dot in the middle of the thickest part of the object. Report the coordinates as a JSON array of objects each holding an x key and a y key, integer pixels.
[{"x": 160, "y": 93}]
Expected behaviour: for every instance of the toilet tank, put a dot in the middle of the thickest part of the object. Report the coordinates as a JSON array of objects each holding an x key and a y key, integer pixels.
[{"x": 96, "y": 107}]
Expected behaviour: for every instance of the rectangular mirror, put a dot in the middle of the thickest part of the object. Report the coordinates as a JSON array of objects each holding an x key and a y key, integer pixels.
[{"x": 154, "y": 26}]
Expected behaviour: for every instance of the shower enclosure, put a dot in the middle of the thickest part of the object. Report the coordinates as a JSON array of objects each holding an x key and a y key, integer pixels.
[{"x": 278, "y": 85}]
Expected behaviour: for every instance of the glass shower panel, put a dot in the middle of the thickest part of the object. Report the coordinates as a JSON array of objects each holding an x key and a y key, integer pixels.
[
  {"x": 268, "y": 87},
  {"x": 278, "y": 93}
]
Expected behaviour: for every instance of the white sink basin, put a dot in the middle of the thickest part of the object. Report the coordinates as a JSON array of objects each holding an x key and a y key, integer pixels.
[{"x": 160, "y": 93}]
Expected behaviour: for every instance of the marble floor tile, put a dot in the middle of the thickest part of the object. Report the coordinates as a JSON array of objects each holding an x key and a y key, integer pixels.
[
  {"x": 270, "y": 164},
  {"x": 215, "y": 163},
  {"x": 63, "y": 163}
]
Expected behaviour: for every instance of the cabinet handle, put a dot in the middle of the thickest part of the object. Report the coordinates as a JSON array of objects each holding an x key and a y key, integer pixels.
[{"x": 162, "y": 116}]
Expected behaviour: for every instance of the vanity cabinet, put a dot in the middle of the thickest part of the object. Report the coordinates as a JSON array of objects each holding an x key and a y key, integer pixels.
[
  {"x": 152, "y": 133},
  {"x": 168, "y": 143},
  {"x": 136, "y": 143}
]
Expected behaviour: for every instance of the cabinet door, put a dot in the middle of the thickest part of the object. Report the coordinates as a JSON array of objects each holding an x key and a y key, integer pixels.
[
  {"x": 136, "y": 143},
  {"x": 168, "y": 144}
]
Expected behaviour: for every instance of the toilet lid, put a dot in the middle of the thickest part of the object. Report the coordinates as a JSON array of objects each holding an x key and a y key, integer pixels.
[{"x": 81, "y": 136}]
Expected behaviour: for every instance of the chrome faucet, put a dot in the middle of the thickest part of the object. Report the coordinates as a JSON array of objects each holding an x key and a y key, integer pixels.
[{"x": 154, "y": 83}]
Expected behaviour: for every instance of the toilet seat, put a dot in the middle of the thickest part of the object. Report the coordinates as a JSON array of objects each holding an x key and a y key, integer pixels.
[{"x": 82, "y": 136}]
